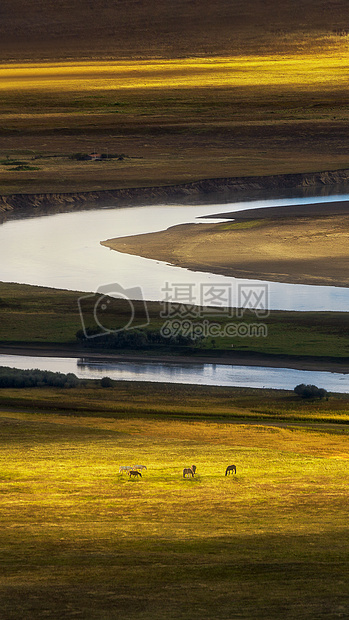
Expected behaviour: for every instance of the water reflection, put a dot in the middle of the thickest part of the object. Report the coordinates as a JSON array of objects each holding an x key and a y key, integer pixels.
[
  {"x": 216, "y": 374},
  {"x": 194, "y": 374}
]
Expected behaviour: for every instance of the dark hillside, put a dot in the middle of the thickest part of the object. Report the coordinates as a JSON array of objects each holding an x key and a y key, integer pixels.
[{"x": 32, "y": 29}]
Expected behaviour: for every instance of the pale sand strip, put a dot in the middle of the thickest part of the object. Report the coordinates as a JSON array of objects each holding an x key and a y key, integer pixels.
[{"x": 300, "y": 250}]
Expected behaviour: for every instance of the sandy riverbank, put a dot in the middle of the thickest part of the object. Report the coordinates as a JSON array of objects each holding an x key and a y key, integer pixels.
[{"x": 279, "y": 245}]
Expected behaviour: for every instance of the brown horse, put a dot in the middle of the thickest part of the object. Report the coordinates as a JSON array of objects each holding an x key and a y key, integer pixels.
[
  {"x": 187, "y": 471},
  {"x": 193, "y": 468},
  {"x": 230, "y": 469},
  {"x": 135, "y": 473}
]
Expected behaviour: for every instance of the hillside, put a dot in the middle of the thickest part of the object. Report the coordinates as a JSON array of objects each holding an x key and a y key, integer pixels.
[
  {"x": 170, "y": 93},
  {"x": 142, "y": 28}
]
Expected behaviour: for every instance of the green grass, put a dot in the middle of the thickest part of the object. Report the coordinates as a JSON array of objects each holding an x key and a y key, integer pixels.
[
  {"x": 34, "y": 315},
  {"x": 78, "y": 539},
  {"x": 176, "y": 402}
]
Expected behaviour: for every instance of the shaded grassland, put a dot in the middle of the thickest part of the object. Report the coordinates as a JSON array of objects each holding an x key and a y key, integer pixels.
[
  {"x": 32, "y": 315},
  {"x": 49, "y": 29},
  {"x": 80, "y": 539},
  {"x": 174, "y": 120}
]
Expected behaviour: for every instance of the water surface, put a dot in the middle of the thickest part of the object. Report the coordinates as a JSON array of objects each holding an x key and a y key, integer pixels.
[
  {"x": 64, "y": 251},
  {"x": 191, "y": 373}
]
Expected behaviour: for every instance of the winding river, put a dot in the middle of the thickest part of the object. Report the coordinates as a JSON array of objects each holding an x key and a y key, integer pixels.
[{"x": 63, "y": 251}]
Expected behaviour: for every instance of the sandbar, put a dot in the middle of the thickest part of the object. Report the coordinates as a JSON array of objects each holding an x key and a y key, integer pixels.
[{"x": 292, "y": 246}]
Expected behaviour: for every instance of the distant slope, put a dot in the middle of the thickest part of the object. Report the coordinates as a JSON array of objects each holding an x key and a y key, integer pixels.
[{"x": 130, "y": 28}]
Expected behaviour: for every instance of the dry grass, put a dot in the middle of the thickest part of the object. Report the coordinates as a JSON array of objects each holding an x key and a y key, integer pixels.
[
  {"x": 176, "y": 120},
  {"x": 51, "y": 29},
  {"x": 126, "y": 400}
]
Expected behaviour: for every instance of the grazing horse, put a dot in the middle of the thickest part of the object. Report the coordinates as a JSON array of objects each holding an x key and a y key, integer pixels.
[
  {"x": 230, "y": 469},
  {"x": 123, "y": 468},
  {"x": 187, "y": 471},
  {"x": 135, "y": 473},
  {"x": 141, "y": 467}
]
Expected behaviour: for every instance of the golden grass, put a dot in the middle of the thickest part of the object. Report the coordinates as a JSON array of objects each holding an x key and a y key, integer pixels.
[
  {"x": 301, "y": 71},
  {"x": 179, "y": 120},
  {"x": 78, "y": 538}
]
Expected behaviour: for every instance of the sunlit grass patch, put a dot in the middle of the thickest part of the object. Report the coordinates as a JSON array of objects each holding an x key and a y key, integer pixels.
[
  {"x": 72, "y": 525},
  {"x": 299, "y": 71}
]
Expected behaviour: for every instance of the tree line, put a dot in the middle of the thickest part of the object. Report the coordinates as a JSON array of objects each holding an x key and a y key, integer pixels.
[
  {"x": 16, "y": 378},
  {"x": 131, "y": 339}
]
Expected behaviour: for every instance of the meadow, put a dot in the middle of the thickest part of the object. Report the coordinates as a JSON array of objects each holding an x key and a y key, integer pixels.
[
  {"x": 190, "y": 92},
  {"x": 172, "y": 120},
  {"x": 33, "y": 316},
  {"x": 78, "y": 539}
]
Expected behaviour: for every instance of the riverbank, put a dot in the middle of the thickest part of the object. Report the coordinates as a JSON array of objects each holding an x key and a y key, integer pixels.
[
  {"x": 205, "y": 190},
  {"x": 287, "y": 244}
]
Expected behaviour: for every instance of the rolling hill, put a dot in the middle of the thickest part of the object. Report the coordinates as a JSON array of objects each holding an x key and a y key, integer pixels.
[{"x": 147, "y": 28}]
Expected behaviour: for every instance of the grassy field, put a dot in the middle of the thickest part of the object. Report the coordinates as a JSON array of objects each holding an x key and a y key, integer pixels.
[
  {"x": 78, "y": 539},
  {"x": 49, "y": 29},
  {"x": 37, "y": 315},
  {"x": 171, "y": 120},
  {"x": 126, "y": 400}
]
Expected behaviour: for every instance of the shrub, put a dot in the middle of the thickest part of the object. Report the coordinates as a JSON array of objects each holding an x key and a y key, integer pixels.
[
  {"x": 106, "y": 382},
  {"x": 310, "y": 391}
]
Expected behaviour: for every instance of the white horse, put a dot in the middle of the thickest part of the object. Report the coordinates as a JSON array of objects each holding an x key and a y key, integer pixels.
[
  {"x": 123, "y": 468},
  {"x": 139, "y": 467}
]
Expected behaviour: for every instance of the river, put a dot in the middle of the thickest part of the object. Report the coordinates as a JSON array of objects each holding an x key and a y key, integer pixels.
[
  {"x": 190, "y": 373},
  {"x": 63, "y": 251}
]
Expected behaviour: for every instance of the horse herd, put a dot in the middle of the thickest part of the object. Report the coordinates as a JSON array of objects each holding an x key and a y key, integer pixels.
[{"x": 134, "y": 471}]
